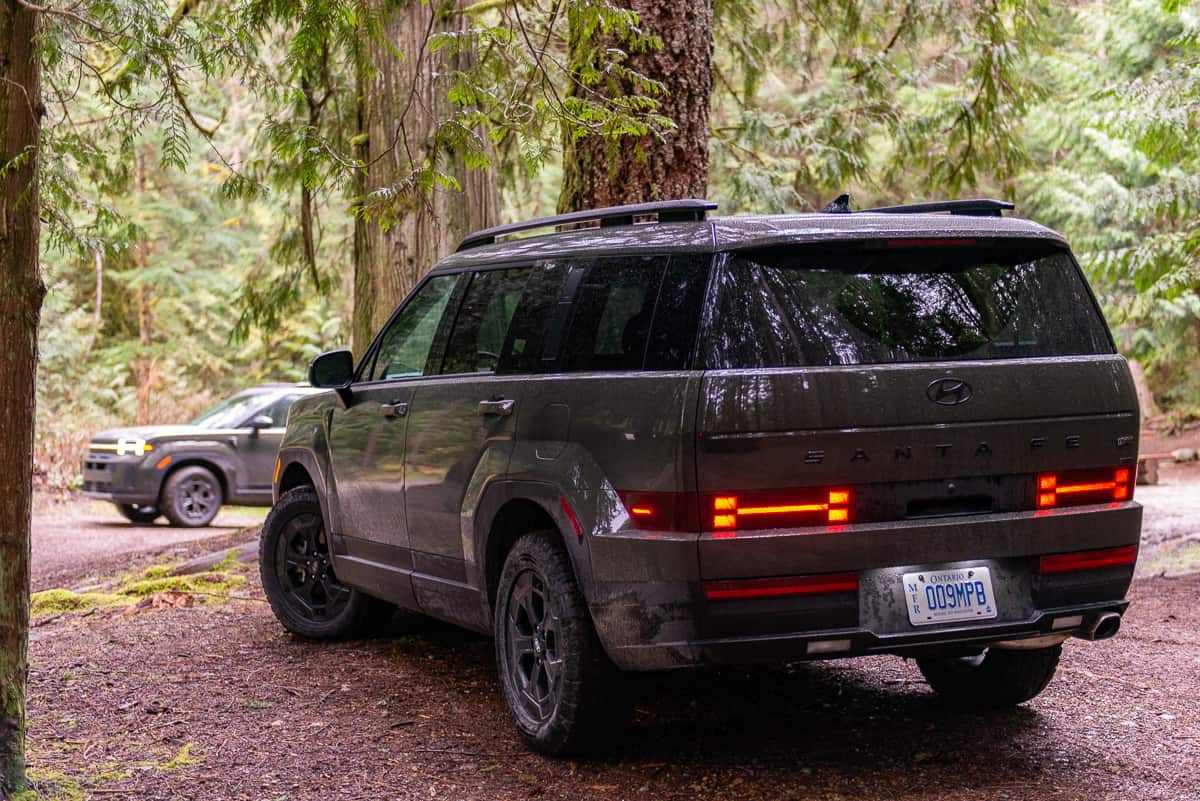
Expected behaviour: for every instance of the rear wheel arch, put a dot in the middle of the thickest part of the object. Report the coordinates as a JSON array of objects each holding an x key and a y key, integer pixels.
[{"x": 509, "y": 510}]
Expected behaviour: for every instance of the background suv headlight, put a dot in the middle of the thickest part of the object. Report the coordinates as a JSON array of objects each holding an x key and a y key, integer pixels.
[{"x": 133, "y": 446}]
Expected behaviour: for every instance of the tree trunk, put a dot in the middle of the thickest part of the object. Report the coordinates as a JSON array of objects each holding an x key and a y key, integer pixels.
[
  {"x": 598, "y": 171},
  {"x": 21, "y": 294},
  {"x": 403, "y": 102},
  {"x": 143, "y": 372}
]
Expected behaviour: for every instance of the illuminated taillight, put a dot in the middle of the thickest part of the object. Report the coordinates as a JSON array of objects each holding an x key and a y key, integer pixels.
[
  {"x": 781, "y": 587},
  {"x": 728, "y": 512},
  {"x": 660, "y": 511},
  {"x": 1087, "y": 560},
  {"x": 1078, "y": 487}
]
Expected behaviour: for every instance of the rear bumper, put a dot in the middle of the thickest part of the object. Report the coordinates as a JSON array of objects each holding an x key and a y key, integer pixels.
[{"x": 662, "y": 619}]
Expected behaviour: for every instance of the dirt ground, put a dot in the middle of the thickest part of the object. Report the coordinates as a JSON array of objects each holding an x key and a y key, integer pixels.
[
  {"x": 75, "y": 539},
  {"x": 217, "y": 702}
]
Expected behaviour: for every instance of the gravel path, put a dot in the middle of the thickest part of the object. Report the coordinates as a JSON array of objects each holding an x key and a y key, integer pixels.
[{"x": 77, "y": 539}]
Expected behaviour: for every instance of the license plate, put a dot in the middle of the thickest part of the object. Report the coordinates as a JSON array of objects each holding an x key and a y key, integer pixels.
[{"x": 945, "y": 596}]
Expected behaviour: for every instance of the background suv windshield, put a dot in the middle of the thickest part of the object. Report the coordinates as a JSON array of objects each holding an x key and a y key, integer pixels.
[
  {"x": 231, "y": 412},
  {"x": 821, "y": 307}
]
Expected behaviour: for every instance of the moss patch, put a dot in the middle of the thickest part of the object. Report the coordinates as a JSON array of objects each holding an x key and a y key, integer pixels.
[{"x": 214, "y": 585}]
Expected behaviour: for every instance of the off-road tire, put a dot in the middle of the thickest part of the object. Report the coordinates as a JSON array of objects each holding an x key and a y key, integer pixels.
[
  {"x": 191, "y": 497},
  {"x": 587, "y": 701},
  {"x": 355, "y": 613},
  {"x": 998, "y": 678},
  {"x": 138, "y": 515}
]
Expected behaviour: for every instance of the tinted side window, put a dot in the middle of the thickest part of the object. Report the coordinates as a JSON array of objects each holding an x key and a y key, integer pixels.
[
  {"x": 614, "y": 308},
  {"x": 677, "y": 315},
  {"x": 278, "y": 410},
  {"x": 405, "y": 348},
  {"x": 533, "y": 324},
  {"x": 481, "y": 327}
]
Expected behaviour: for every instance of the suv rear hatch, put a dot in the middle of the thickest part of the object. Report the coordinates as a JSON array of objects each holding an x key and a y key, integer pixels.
[{"x": 874, "y": 385}]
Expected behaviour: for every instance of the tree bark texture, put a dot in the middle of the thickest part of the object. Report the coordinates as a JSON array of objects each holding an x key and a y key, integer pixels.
[
  {"x": 144, "y": 367},
  {"x": 21, "y": 293},
  {"x": 403, "y": 88},
  {"x": 601, "y": 172}
]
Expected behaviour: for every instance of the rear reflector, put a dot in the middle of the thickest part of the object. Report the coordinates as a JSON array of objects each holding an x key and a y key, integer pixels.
[
  {"x": 661, "y": 511},
  {"x": 780, "y": 587},
  {"x": 1087, "y": 560},
  {"x": 1079, "y": 487}
]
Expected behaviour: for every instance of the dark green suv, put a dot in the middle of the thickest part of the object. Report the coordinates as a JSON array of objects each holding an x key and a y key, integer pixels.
[
  {"x": 661, "y": 441},
  {"x": 186, "y": 472}
]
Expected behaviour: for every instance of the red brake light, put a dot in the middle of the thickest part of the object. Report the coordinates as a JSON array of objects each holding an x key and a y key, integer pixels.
[
  {"x": 779, "y": 587},
  {"x": 1077, "y": 487},
  {"x": 1087, "y": 560},
  {"x": 756, "y": 509}
]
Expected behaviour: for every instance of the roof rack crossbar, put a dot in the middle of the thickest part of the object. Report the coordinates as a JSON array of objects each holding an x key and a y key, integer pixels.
[
  {"x": 666, "y": 210},
  {"x": 981, "y": 207}
]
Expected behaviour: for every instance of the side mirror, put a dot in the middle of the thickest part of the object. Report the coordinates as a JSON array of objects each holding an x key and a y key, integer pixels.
[
  {"x": 333, "y": 369},
  {"x": 258, "y": 423}
]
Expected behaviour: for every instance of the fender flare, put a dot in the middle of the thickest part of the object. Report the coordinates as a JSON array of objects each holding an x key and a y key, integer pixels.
[{"x": 549, "y": 498}]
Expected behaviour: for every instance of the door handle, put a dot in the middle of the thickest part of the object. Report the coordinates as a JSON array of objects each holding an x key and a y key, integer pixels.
[
  {"x": 396, "y": 408},
  {"x": 500, "y": 407}
]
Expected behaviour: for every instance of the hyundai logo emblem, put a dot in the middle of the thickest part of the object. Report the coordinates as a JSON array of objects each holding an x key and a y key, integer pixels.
[{"x": 948, "y": 391}]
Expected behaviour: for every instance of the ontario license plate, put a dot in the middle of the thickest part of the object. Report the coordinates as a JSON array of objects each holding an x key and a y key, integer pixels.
[{"x": 945, "y": 596}]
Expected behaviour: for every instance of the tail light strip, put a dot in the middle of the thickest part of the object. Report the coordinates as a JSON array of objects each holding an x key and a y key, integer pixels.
[
  {"x": 1087, "y": 560},
  {"x": 1084, "y": 486},
  {"x": 781, "y": 587}
]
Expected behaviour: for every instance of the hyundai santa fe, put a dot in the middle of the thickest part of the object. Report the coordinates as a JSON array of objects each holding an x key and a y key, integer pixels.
[{"x": 648, "y": 439}]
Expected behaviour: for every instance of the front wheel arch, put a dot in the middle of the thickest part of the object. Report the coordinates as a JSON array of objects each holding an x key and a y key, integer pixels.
[{"x": 207, "y": 464}]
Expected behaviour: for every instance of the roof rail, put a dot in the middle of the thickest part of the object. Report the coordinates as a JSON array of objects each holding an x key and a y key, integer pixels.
[
  {"x": 981, "y": 207},
  {"x": 665, "y": 210}
]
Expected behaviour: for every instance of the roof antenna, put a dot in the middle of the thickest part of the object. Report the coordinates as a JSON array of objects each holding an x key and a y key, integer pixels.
[{"x": 840, "y": 205}]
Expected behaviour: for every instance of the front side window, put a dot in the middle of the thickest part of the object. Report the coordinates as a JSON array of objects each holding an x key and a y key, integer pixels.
[
  {"x": 230, "y": 412},
  {"x": 405, "y": 348},
  {"x": 482, "y": 323},
  {"x": 792, "y": 307},
  {"x": 277, "y": 410}
]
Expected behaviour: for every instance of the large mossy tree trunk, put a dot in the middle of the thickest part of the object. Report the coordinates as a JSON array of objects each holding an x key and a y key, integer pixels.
[
  {"x": 21, "y": 294},
  {"x": 404, "y": 102},
  {"x": 598, "y": 171}
]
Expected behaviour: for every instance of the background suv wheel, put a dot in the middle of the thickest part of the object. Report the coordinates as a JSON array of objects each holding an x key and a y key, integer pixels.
[
  {"x": 557, "y": 681},
  {"x": 995, "y": 678},
  {"x": 191, "y": 497},
  {"x": 141, "y": 515},
  {"x": 298, "y": 576}
]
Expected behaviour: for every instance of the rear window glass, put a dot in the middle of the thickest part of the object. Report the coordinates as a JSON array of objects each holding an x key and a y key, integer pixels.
[{"x": 822, "y": 307}]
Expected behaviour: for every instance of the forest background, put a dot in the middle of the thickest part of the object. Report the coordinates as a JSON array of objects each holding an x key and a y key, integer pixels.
[{"x": 273, "y": 184}]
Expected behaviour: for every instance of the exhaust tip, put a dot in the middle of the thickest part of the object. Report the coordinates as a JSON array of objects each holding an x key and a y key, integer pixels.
[{"x": 1106, "y": 626}]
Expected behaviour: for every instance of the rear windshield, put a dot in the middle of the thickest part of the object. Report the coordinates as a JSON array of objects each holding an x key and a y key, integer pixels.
[{"x": 895, "y": 304}]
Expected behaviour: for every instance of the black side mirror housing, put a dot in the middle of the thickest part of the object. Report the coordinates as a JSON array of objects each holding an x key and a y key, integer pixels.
[{"x": 333, "y": 369}]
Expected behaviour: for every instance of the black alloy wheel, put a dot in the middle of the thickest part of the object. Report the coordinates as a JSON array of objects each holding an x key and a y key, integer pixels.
[
  {"x": 301, "y": 563},
  {"x": 192, "y": 497},
  {"x": 533, "y": 660},
  {"x": 139, "y": 515},
  {"x": 298, "y": 574},
  {"x": 562, "y": 691}
]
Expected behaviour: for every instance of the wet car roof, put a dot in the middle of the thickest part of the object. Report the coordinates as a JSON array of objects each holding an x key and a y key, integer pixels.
[{"x": 743, "y": 232}]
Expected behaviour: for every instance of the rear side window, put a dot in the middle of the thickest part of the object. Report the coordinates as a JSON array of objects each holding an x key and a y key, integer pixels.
[
  {"x": 633, "y": 313},
  {"x": 884, "y": 305},
  {"x": 481, "y": 326}
]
